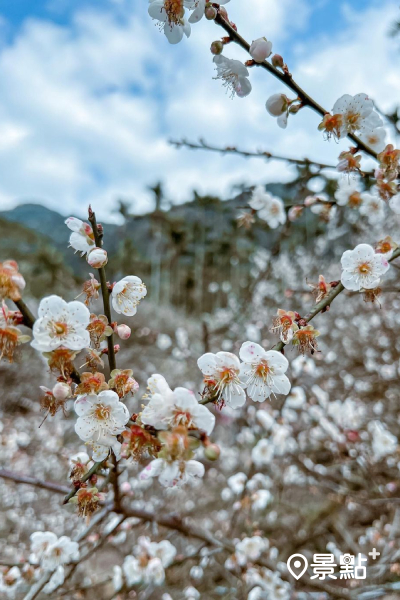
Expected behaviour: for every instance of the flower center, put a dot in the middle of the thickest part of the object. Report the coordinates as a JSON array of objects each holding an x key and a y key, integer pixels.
[
  {"x": 228, "y": 376},
  {"x": 174, "y": 10},
  {"x": 355, "y": 199},
  {"x": 102, "y": 413},
  {"x": 274, "y": 209},
  {"x": 58, "y": 329},
  {"x": 385, "y": 247},
  {"x": 263, "y": 370},
  {"x": 364, "y": 268},
  {"x": 182, "y": 417}
]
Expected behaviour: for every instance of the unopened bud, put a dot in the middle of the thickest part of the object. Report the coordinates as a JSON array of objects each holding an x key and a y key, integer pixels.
[
  {"x": 260, "y": 49},
  {"x": 223, "y": 13},
  {"x": 123, "y": 331},
  {"x": 97, "y": 258},
  {"x": 216, "y": 47},
  {"x": 117, "y": 348},
  {"x": 210, "y": 13},
  {"x": 310, "y": 200},
  {"x": 277, "y": 104},
  {"x": 212, "y": 452},
  {"x": 294, "y": 213},
  {"x": 61, "y": 391},
  {"x": 277, "y": 61}
]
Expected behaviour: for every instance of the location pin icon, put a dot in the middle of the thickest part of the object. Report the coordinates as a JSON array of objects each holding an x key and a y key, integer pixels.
[{"x": 297, "y": 565}]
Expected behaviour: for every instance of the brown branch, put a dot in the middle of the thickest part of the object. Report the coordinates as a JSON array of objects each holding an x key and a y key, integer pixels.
[
  {"x": 202, "y": 145},
  {"x": 171, "y": 521},
  {"x": 88, "y": 475},
  {"x": 286, "y": 79},
  {"x": 98, "y": 238},
  {"x": 29, "y": 318},
  {"x": 327, "y": 302},
  {"x": 104, "y": 289},
  {"x": 45, "y": 485}
]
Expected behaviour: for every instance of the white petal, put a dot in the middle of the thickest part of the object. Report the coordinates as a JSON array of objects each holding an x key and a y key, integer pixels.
[
  {"x": 207, "y": 363},
  {"x": 251, "y": 352}
]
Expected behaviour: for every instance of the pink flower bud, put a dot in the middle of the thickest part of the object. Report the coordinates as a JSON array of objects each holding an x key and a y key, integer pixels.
[
  {"x": 216, "y": 47},
  {"x": 260, "y": 49},
  {"x": 123, "y": 331},
  {"x": 277, "y": 104},
  {"x": 97, "y": 258},
  {"x": 61, "y": 391},
  {"x": 126, "y": 487},
  {"x": 294, "y": 213},
  {"x": 210, "y": 13},
  {"x": 277, "y": 61},
  {"x": 310, "y": 200},
  {"x": 212, "y": 452}
]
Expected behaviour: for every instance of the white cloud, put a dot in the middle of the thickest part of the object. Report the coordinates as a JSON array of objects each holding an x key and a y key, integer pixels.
[{"x": 86, "y": 109}]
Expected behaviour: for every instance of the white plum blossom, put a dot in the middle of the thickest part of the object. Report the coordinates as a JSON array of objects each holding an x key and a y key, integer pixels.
[
  {"x": 171, "y": 15},
  {"x": 304, "y": 364},
  {"x": 82, "y": 238},
  {"x": 117, "y": 579},
  {"x": 237, "y": 482},
  {"x": 101, "y": 418},
  {"x": 234, "y": 75},
  {"x": 296, "y": 398},
  {"x": 260, "y": 500},
  {"x": 362, "y": 268},
  {"x": 372, "y": 207},
  {"x": 262, "y": 453},
  {"x": 357, "y": 113},
  {"x": 375, "y": 139},
  {"x": 250, "y": 549},
  {"x": 190, "y": 593},
  {"x": 198, "y": 7},
  {"x": 179, "y": 407},
  {"x": 260, "y": 49},
  {"x": 348, "y": 193},
  {"x": 383, "y": 442},
  {"x": 9, "y": 582},
  {"x": 265, "y": 419},
  {"x": 40, "y": 542},
  {"x": 263, "y": 372},
  {"x": 126, "y": 295},
  {"x": 269, "y": 208},
  {"x": 221, "y": 375},
  {"x": 348, "y": 414},
  {"x": 278, "y": 106},
  {"x": 173, "y": 473},
  {"x": 163, "y": 550},
  {"x": 148, "y": 572},
  {"x": 61, "y": 324},
  {"x": 52, "y": 551},
  {"x": 394, "y": 204}
]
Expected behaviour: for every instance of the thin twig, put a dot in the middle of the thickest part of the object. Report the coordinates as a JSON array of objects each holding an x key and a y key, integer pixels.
[
  {"x": 202, "y": 145},
  {"x": 286, "y": 79},
  {"x": 45, "y": 485},
  {"x": 88, "y": 475},
  {"x": 104, "y": 289}
]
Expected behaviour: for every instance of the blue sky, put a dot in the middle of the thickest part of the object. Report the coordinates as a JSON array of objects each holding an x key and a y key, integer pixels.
[{"x": 91, "y": 92}]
